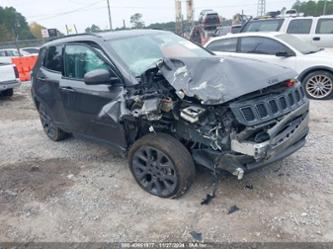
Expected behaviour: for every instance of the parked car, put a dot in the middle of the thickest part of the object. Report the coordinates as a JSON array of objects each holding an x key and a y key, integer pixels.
[
  {"x": 9, "y": 79},
  {"x": 30, "y": 50},
  {"x": 7, "y": 54},
  {"x": 316, "y": 30},
  {"x": 209, "y": 19},
  {"x": 313, "y": 65},
  {"x": 169, "y": 104}
]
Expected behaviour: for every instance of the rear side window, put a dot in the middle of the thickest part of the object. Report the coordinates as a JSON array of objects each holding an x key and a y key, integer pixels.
[
  {"x": 226, "y": 45},
  {"x": 325, "y": 26},
  {"x": 260, "y": 45},
  {"x": 263, "y": 25},
  {"x": 54, "y": 60},
  {"x": 299, "y": 26},
  {"x": 81, "y": 59}
]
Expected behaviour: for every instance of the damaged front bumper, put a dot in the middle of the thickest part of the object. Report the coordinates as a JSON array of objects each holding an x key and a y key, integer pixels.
[{"x": 286, "y": 136}]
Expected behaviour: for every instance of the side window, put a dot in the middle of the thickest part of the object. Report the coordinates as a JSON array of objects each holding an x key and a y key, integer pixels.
[
  {"x": 54, "y": 59},
  {"x": 2, "y": 53},
  {"x": 80, "y": 59},
  {"x": 324, "y": 26},
  {"x": 299, "y": 26},
  {"x": 227, "y": 45},
  {"x": 260, "y": 45}
]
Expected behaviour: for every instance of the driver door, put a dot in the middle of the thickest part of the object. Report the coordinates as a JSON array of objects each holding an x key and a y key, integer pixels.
[{"x": 83, "y": 103}]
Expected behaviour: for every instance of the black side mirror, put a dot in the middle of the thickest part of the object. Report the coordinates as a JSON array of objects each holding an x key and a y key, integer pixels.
[
  {"x": 283, "y": 54},
  {"x": 99, "y": 77}
]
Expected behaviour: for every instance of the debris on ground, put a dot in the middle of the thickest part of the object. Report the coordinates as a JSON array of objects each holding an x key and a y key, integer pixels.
[
  {"x": 233, "y": 209},
  {"x": 196, "y": 236},
  {"x": 34, "y": 168},
  {"x": 208, "y": 199},
  {"x": 249, "y": 186}
]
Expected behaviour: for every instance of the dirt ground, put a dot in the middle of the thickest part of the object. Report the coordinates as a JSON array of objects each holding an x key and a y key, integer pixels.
[{"x": 79, "y": 191}]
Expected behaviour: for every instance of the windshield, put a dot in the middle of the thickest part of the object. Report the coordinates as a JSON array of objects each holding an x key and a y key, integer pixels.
[
  {"x": 139, "y": 53},
  {"x": 263, "y": 25},
  {"x": 298, "y": 44}
]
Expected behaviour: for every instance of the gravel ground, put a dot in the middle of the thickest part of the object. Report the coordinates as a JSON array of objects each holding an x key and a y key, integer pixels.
[{"x": 80, "y": 191}]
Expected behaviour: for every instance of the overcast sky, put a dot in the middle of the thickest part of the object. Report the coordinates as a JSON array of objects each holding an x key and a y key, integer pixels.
[{"x": 58, "y": 13}]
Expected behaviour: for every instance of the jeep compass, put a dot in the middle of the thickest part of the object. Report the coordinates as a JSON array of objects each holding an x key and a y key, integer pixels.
[{"x": 168, "y": 105}]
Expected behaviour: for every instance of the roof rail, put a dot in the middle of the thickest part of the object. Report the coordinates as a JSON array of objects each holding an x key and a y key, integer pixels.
[{"x": 74, "y": 35}]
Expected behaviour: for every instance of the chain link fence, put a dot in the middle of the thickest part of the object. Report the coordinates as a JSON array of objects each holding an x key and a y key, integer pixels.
[{"x": 23, "y": 43}]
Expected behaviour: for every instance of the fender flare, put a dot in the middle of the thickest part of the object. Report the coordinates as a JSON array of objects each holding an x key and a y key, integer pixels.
[{"x": 303, "y": 74}]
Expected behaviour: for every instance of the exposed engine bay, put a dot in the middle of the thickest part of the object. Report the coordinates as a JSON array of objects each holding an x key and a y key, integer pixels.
[{"x": 237, "y": 135}]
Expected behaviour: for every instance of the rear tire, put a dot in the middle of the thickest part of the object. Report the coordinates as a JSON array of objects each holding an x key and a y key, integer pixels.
[
  {"x": 319, "y": 85},
  {"x": 49, "y": 127},
  {"x": 8, "y": 92},
  {"x": 161, "y": 165}
]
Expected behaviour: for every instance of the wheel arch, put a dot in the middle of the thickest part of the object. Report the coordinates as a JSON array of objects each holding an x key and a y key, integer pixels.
[{"x": 307, "y": 71}]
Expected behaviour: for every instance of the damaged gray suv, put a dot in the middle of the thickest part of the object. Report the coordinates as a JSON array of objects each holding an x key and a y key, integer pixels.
[{"x": 169, "y": 105}]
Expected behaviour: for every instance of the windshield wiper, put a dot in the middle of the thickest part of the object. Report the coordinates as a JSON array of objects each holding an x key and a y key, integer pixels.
[{"x": 313, "y": 51}]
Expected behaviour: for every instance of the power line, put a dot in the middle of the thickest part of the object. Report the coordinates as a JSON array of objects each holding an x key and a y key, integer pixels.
[
  {"x": 69, "y": 12},
  {"x": 164, "y": 8}
]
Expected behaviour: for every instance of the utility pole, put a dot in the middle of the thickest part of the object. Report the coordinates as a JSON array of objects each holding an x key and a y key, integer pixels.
[
  {"x": 179, "y": 17},
  {"x": 109, "y": 11},
  {"x": 261, "y": 9},
  {"x": 325, "y": 7}
]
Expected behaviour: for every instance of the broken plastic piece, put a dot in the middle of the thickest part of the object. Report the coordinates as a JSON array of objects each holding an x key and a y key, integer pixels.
[
  {"x": 196, "y": 236},
  {"x": 233, "y": 209},
  {"x": 208, "y": 199},
  {"x": 239, "y": 172}
]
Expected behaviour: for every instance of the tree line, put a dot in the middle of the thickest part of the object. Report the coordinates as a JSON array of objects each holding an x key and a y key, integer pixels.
[{"x": 314, "y": 8}]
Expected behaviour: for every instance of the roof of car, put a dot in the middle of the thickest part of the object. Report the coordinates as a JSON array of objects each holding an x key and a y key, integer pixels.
[{"x": 109, "y": 35}]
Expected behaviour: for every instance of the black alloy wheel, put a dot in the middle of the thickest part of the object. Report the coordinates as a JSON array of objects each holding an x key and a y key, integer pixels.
[{"x": 161, "y": 165}]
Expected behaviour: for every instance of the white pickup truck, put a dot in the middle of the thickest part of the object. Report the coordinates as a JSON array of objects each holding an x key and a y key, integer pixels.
[{"x": 9, "y": 79}]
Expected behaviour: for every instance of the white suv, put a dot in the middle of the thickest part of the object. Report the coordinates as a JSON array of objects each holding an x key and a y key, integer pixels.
[{"x": 317, "y": 30}]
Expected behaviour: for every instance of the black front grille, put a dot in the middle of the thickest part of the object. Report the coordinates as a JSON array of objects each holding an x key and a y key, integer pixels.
[
  {"x": 262, "y": 111},
  {"x": 258, "y": 110},
  {"x": 248, "y": 113}
]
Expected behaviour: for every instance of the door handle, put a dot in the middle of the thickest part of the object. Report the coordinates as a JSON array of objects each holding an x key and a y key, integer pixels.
[
  {"x": 316, "y": 38},
  {"x": 67, "y": 89}
]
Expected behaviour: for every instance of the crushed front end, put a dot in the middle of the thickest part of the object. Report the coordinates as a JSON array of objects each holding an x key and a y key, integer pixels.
[
  {"x": 250, "y": 132},
  {"x": 227, "y": 121}
]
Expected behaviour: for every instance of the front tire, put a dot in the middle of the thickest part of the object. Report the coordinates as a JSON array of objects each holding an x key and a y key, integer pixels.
[
  {"x": 319, "y": 85},
  {"x": 49, "y": 127},
  {"x": 161, "y": 165}
]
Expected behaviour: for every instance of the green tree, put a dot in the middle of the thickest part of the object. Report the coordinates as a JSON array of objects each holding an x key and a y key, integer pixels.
[
  {"x": 36, "y": 29},
  {"x": 168, "y": 26},
  {"x": 313, "y": 8},
  {"x": 136, "y": 21},
  {"x": 13, "y": 25},
  {"x": 93, "y": 29}
]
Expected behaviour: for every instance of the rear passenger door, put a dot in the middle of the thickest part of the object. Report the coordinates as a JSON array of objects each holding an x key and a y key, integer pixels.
[
  {"x": 84, "y": 103},
  {"x": 323, "y": 36},
  {"x": 301, "y": 28},
  {"x": 47, "y": 80}
]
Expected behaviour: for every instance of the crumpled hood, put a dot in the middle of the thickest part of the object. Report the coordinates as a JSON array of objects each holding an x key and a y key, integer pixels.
[{"x": 216, "y": 80}]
